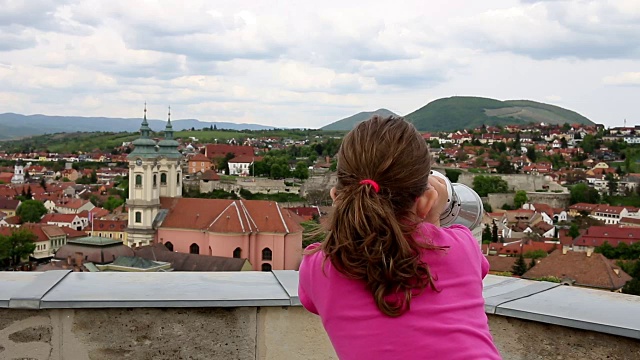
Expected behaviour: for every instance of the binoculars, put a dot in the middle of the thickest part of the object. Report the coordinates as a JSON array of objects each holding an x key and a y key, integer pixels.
[{"x": 463, "y": 207}]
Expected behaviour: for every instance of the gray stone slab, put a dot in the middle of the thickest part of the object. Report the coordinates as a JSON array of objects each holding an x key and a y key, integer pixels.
[
  {"x": 289, "y": 281},
  {"x": 588, "y": 309},
  {"x": 170, "y": 289},
  {"x": 499, "y": 292},
  {"x": 11, "y": 282},
  {"x": 29, "y": 296}
]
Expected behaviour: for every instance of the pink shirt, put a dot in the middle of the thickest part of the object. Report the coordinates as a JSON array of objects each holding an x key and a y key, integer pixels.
[{"x": 448, "y": 325}]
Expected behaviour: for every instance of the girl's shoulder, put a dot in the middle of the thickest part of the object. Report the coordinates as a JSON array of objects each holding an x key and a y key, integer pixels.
[{"x": 445, "y": 235}]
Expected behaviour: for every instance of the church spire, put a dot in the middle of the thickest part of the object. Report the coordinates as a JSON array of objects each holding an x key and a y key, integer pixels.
[
  {"x": 168, "y": 130},
  {"x": 144, "y": 127}
]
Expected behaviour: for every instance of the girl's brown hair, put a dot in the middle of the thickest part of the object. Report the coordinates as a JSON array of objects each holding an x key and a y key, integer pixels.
[{"x": 370, "y": 234}]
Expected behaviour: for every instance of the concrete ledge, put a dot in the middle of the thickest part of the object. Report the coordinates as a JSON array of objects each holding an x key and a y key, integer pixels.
[
  {"x": 543, "y": 302},
  {"x": 30, "y": 296}
]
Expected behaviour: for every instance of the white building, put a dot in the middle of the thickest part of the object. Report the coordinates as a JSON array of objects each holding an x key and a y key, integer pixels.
[{"x": 18, "y": 173}]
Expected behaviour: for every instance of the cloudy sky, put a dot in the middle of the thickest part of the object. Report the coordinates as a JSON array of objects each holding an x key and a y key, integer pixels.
[{"x": 298, "y": 63}]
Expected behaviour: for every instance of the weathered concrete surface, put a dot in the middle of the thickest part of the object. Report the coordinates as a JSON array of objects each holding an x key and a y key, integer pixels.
[
  {"x": 292, "y": 333},
  {"x": 211, "y": 333},
  {"x": 528, "y": 340},
  {"x": 250, "y": 333}
]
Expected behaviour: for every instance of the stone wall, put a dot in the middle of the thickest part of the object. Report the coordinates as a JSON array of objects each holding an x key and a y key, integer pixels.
[
  {"x": 516, "y": 181},
  {"x": 497, "y": 200},
  {"x": 249, "y": 333},
  {"x": 262, "y": 186}
]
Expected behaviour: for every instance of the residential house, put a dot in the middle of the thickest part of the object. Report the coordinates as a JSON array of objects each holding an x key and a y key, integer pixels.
[
  {"x": 589, "y": 269},
  {"x": 199, "y": 163},
  {"x": 72, "y": 221},
  {"x": 9, "y": 206},
  {"x": 595, "y": 236},
  {"x": 49, "y": 238},
  {"x": 73, "y": 206},
  {"x": 110, "y": 229},
  {"x": 241, "y": 165}
]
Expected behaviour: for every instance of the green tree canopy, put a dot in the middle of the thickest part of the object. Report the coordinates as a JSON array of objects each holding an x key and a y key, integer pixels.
[
  {"x": 484, "y": 185},
  {"x": 31, "y": 211},
  {"x": 520, "y": 198},
  {"x": 520, "y": 267},
  {"x": 301, "y": 171},
  {"x": 18, "y": 245},
  {"x": 584, "y": 193},
  {"x": 574, "y": 232}
]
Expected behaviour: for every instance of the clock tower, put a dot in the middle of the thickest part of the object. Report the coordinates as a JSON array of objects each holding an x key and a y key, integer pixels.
[{"x": 154, "y": 171}]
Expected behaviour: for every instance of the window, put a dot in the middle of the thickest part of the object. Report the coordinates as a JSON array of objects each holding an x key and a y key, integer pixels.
[
  {"x": 266, "y": 254},
  {"x": 169, "y": 245},
  {"x": 138, "y": 216},
  {"x": 194, "y": 249},
  {"x": 138, "y": 180},
  {"x": 237, "y": 253},
  {"x": 178, "y": 178},
  {"x": 266, "y": 267},
  {"x": 155, "y": 180},
  {"x": 163, "y": 179}
]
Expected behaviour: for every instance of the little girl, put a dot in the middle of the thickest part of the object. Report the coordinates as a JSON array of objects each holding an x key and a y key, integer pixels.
[{"x": 388, "y": 282}]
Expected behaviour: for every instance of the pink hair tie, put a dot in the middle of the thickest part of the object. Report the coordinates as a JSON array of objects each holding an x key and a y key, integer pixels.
[{"x": 374, "y": 184}]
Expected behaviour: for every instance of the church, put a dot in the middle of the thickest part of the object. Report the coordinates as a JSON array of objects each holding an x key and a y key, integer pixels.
[{"x": 269, "y": 237}]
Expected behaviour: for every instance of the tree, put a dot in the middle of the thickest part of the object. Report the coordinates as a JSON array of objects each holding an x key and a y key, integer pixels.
[
  {"x": 486, "y": 235},
  {"x": 504, "y": 165},
  {"x": 31, "y": 211},
  {"x": 563, "y": 143},
  {"x": 452, "y": 174},
  {"x": 574, "y": 232},
  {"x": 520, "y": 266},
  {"x": 223, "y": 163},
  {"x": 532, "y": 263},
  {"x": 112, "y": 203},
  {"x": 43, "y": 183},
  {"x": 484, "y": 185},
  {"x": 588, "y": 144},
  {"x": 94, "y": 177},
  {"x": 584, "y": 193},
  {"x": 494, "y": 232},
  {"x": 535, "y": 254},
  {"x": 302, "y": 171},
  {"x": 520, "y": 198},
  {"x": 612, "y": 184},
  {"x": 16, "y": 246},
  {"x": 531, "y": 154}
]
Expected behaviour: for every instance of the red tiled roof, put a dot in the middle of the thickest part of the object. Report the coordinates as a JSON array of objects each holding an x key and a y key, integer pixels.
[
  {"x": 501, "y": 263},
  {"x": 592, "y": 271},
  {"x": 72, "y": 203},
  {"x": 109, "y": 225},
  {"x": 245, "y": 159},
  {"x": 11, "y": 204},
  {"x": 598, "y": 235},
  {"x": 630, "y": 220},
  {"x": 73, "y": 233},
  {"x": 221, "y": 150},
  {"x": 210, "y": 175},
  {"x": 199, "y": 158},
  {"x": 60, "y": 218},
  {"x": 224, "y": 216}
]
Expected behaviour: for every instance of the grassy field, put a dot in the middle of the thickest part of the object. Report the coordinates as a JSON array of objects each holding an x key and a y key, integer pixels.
[{"x": 624, "y": 200}]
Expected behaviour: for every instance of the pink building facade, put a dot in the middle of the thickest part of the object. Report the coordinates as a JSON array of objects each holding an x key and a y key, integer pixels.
[{"x": 260, "y": 231}]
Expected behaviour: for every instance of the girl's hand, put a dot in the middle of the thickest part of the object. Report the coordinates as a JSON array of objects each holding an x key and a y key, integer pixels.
[{"x": 438, "y": 192}]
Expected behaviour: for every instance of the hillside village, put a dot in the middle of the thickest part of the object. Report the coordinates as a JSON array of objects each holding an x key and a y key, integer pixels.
[{"x": 71, "y": 203}]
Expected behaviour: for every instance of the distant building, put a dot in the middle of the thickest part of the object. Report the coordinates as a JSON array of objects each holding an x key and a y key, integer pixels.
[{"x": 18, "y": 173}]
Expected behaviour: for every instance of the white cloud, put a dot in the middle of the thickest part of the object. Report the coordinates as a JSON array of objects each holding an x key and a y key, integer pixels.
[
  {"x": 627, "y": 78},
  {"x": 295, "y": 63}
]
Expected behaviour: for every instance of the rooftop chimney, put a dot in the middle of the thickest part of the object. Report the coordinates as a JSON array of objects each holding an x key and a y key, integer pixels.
[
  {"x": 589, "y": 251},
  {"x": 564, "y": 250},
  {"x": 617, "y": 271},
  {"x": 78, "y": 258}
]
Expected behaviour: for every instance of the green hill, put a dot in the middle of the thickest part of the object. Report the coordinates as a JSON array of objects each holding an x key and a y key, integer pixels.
[
  {"x": 466, "y": 112},
  {"x": 351, "y": 121}
]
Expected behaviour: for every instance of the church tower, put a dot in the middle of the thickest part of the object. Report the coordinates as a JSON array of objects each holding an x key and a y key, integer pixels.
[
  {"x": 169, "y": 160},
  {"x": 144, "y": 196},
  {"x": 154, "y": 171},
  {"x": 18, "y": 173}
]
